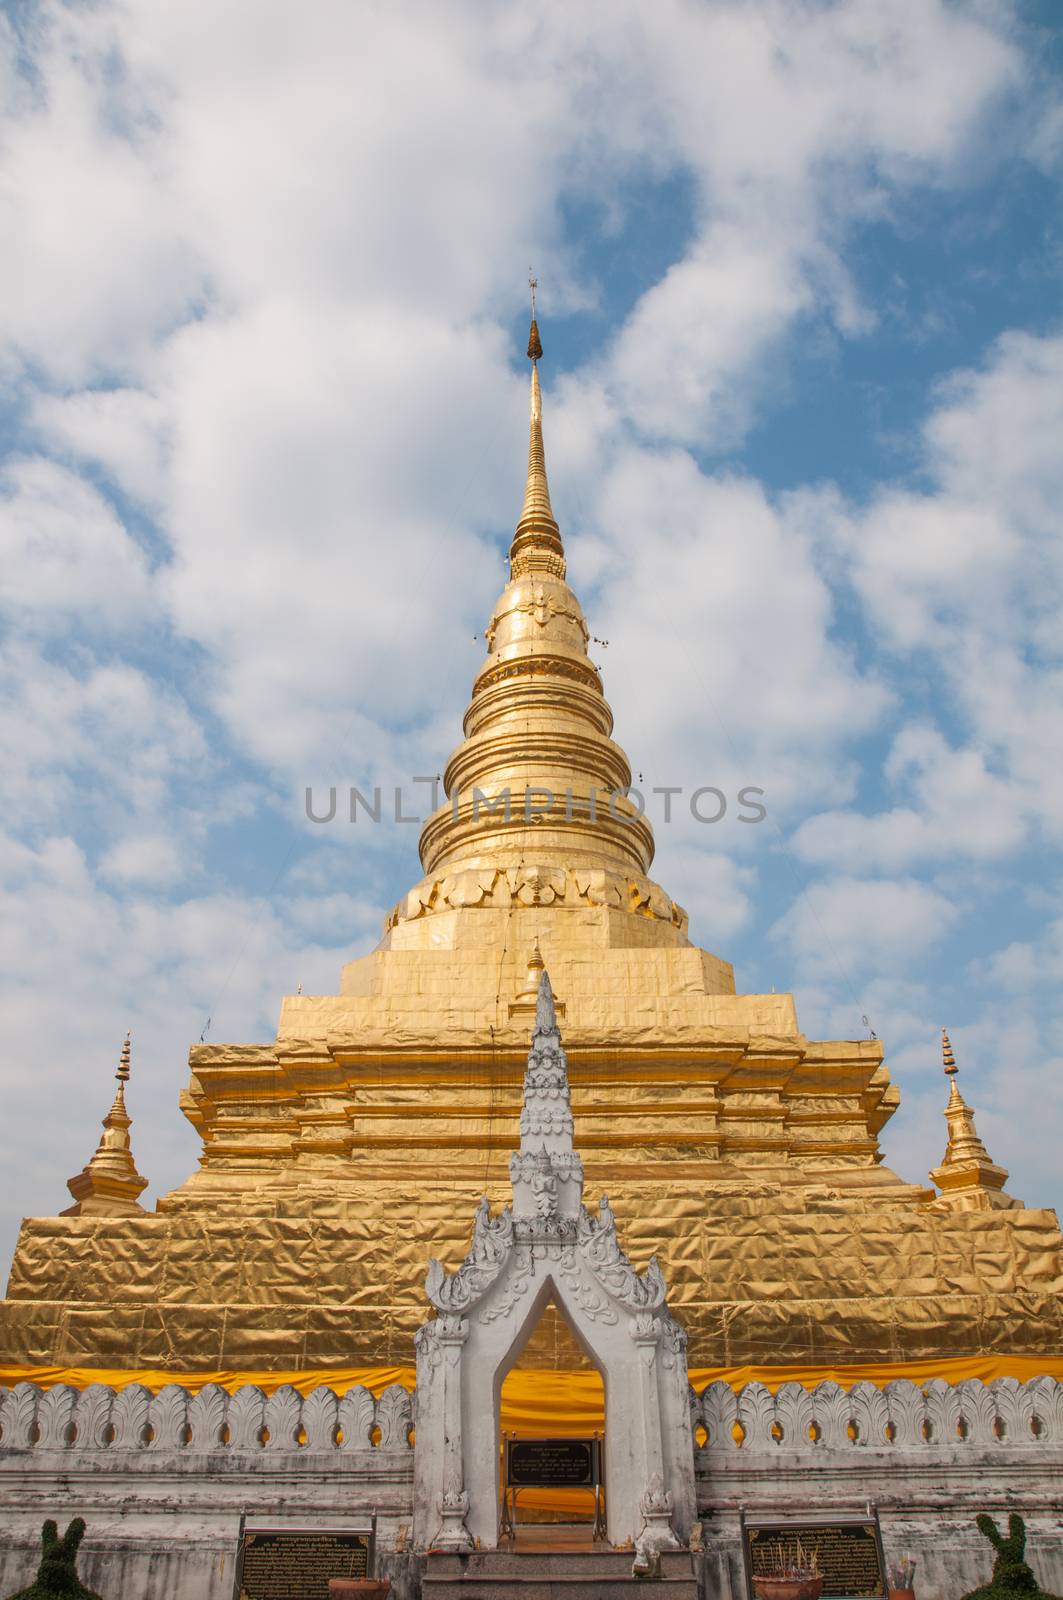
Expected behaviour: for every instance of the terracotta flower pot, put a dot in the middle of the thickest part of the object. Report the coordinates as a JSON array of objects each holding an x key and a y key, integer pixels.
[
  {"x": 902, "y": 1594},
  {"x": 788, "y": 1588},
  {"x": 365, "y": 1588}
]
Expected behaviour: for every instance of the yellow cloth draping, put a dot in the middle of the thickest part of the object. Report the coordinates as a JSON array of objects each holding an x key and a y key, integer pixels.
[
  {"x": 952, "y": 1368},
  {"x": 375, "y": 1379},
  {"x": 541, "y": 1401}
]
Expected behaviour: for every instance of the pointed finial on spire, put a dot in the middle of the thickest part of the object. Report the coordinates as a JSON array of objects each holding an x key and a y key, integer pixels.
[
  {"x": 947, "y": 1056},
  {"x": 110, "y": 1184},
  {"x": 535, "y": 344},
  {"x": 545, "y": 1014}
]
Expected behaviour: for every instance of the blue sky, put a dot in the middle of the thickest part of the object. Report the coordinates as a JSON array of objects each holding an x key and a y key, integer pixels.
[{"x": 262, "y": 314}]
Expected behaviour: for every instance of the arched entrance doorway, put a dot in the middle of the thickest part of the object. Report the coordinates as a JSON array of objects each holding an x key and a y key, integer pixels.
[{"x": 552, "y": 1420}]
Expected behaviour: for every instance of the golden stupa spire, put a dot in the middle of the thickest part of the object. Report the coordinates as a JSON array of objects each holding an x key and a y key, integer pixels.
[
  {"x": 110, "y": 1185},
  {"x": 538, "y": 786},
  {"x": 967, "y": 1178}
]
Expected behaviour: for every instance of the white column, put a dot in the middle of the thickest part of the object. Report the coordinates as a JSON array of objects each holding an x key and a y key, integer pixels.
[
  {"x": 656, "y": 1503},
  {"x": 454, "y": 1501}
]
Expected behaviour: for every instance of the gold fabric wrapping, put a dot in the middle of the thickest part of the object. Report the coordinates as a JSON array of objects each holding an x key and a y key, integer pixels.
[{"x": 758, "y": 1277}]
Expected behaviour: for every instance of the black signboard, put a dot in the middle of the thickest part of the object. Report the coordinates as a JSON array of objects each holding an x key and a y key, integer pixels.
[
  {"x": 846, "y": 1550},
  {"x": 297, "y": 1563},
  {"x": 552, "y": 1463}
]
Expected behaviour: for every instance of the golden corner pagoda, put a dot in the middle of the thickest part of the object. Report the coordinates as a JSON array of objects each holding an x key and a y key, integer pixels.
[{"x": 343, "y": 1153}]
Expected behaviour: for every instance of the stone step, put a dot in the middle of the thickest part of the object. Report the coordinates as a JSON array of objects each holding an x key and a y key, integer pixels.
[
  {"x": 559, "y": 1588},
  {"x": 584, "y": 1563},
  {"x": 555, "y": 1575}
]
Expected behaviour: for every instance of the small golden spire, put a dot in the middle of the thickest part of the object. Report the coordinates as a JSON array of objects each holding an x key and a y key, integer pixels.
[
  {"x": 536, "y": 968},
  {"x": 967, "y": 1177},
  {"x": 110, "y": 1184},
  {"x": 528, "y": 994}
]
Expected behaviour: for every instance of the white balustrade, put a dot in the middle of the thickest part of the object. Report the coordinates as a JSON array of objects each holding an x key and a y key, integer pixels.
[{"x": 210, "y": 1421}]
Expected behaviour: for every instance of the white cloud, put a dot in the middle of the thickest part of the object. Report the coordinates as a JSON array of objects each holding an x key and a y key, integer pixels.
[
  {"x": 1021, "y": 967},
  {"x": 123, "y": 430},
  {"x": 327, "y": 476},
  {"x": 64, "y": 551},
  {"x": 708, "y": 580},
  {"x": 920, "y": 560},
  {"x": 994, "y": 436},
  {"x": 143, "y": 858},
  {"x": 861, "y": 926},
  {"x": 968, "y": 575},
  {"x": 952, "y": 805},
  {"x": 678, "y": 370},
  {"x": 794, "y": 121},
  {"x": 959, "y": 567},
  {"x": 102, "y": 746},
  {"x": 96, "y": 261}
]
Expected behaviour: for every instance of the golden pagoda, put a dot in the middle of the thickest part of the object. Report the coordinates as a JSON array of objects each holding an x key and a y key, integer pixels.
[
  {"x": 343, "y": 1153},
  {"x": 967, "y": 1178},
  {"x": 110, "y": 1186}
]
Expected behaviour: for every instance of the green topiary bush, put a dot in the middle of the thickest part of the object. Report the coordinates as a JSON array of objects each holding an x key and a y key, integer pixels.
[
  {"x": 1012, "y": 1579},
  {"x": 57, "y": 1573}
]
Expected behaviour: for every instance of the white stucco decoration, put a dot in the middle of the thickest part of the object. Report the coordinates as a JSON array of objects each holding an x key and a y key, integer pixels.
[{"x": 548, "y": 1246}]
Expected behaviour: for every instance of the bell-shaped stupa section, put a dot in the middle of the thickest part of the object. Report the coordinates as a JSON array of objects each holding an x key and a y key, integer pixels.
[{"x": 537, "y": 811}]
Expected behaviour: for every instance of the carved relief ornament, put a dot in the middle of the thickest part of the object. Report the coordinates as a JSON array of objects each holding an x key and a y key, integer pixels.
[
  {"x": 537, "y": 886},
  {"x": 542, "y": 608},
  {"x": 492, "y": 1242}
]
